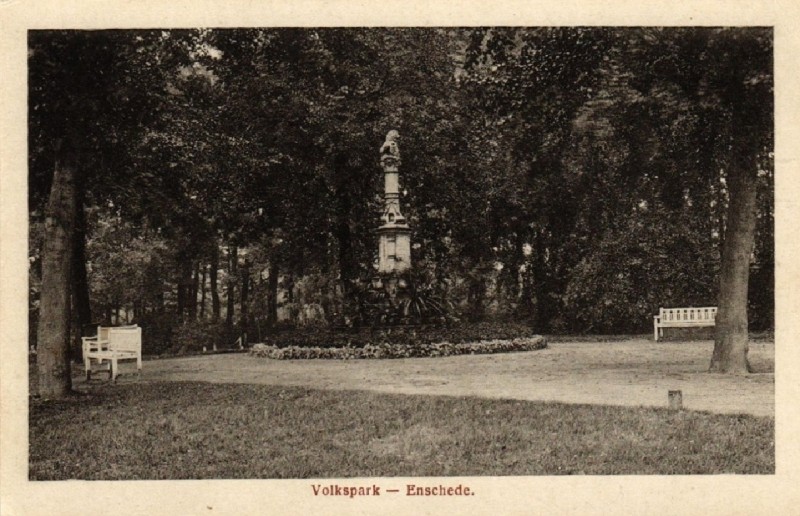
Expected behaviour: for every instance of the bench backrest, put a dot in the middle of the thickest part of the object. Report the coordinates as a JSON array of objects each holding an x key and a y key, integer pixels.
[
  {"x": 688, "y": 315},
  {"x": 126, "y": 338}
]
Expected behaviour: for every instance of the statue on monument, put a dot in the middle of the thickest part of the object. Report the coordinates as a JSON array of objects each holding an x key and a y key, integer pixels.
[{"x": 390, "y": 150}]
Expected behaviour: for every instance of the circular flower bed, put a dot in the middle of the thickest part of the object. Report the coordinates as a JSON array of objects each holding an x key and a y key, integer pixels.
[{"x": 394, "y": 350}]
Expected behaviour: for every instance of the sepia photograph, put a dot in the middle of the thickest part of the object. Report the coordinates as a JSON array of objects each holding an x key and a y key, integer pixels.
[{"x": 397, "y": 262}]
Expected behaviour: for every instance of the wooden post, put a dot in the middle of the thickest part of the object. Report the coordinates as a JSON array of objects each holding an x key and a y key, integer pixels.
[{"x": 675, "y": 400}]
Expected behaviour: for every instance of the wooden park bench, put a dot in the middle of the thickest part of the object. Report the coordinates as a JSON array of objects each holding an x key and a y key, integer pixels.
[
  {"x": 694, "y": 317},
  {"x": 113, "y": 345}
]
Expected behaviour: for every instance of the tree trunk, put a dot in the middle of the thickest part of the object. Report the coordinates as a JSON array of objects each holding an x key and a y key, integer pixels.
[
  {"x": 244, "y": 302},
  {"x": 80, "y": 282},
  {"x": 272, "y": 294},
  {"x": 730, "y": 334},
  {"x": 288, "y": 287},
  {"x": 193, "y": 292},
  {"x": 549, "y": 281},
  {"x": 184, "y": 287},
  {"x": 181, "y": 297},
  {"x": 476, "y": 293},
  {"x": 52, "y": 358},
  {"x": 160, "y": 305},
  {"x": 232, "y": 268},
  {"x": 215, "y": 306},
  {"x": 137, "y": 311},
  {"x": 527, "y": 304},
  {"x": 203, "y": 293},
  {"x": 522, "y": 270}
]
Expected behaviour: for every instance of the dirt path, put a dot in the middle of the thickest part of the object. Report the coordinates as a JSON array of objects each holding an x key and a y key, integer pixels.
[{"x": 635, "y": 372}]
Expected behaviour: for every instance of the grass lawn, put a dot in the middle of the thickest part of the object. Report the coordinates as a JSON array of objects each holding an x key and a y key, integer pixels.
[{"x": 199, "y": 430}]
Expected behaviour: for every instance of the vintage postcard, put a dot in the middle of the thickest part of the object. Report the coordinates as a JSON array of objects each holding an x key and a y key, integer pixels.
[{"x": 337, "y": 258}]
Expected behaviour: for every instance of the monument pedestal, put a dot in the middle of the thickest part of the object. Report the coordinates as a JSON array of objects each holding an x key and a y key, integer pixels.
[{"x": 394, "y": 248}]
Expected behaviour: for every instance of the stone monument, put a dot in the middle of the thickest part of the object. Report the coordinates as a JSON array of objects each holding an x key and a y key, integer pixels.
[
  {"x": 393, "y": 298},
  {"x": 394, "y": 246}
]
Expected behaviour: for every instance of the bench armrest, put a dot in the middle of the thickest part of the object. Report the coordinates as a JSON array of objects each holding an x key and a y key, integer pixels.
[{"x": 94, "y": 344}]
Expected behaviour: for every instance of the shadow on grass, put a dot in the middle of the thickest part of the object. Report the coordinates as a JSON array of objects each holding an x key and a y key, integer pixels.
[{"x": 190, "y": 430}]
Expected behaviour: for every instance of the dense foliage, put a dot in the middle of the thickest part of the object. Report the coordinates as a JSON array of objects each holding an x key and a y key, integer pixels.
[{"x": 572, "y": 178}]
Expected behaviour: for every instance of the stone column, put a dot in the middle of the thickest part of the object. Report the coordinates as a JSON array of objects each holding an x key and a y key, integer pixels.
[{"x": 394, "y": 247}]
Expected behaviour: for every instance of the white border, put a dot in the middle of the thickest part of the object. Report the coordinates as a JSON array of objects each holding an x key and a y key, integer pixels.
[{"x": 725, "y": 494}]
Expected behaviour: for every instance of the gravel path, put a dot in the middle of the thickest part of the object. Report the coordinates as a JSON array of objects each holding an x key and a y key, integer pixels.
[{"x": 631, "y": 372}]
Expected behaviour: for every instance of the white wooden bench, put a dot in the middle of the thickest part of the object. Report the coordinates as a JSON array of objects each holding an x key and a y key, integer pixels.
[
  {"x": 694, "y": 317},
  {"x": 113, "y": 345}
]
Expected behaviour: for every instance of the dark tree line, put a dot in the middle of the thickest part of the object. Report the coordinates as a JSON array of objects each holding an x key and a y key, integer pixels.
[{"x": 575, "y": 178}]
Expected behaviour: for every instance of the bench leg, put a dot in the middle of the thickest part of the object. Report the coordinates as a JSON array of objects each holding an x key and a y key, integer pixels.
[
  {"x": 100, "y": 363},
  {"x": 113, "y": 370},
  {"x": 87, "y": 368}
]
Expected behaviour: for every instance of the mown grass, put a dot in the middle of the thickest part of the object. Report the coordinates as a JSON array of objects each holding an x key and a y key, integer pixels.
[{"x": 197, "y": 430}]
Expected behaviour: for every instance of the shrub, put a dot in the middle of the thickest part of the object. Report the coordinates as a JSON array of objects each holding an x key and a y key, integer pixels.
[{"x": 193, "y": 337}]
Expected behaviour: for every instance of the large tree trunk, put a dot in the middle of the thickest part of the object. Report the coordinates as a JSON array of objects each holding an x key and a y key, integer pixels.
[
  {"x": 52, "y": 358},
  {"x": 730, "y": 336},
  {"x": 214, "y": 266}
]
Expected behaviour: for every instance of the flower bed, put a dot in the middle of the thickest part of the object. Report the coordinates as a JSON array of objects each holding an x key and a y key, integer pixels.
[
  {"x": 460, "y": 333},
  {"x": 393, "y": 350}
]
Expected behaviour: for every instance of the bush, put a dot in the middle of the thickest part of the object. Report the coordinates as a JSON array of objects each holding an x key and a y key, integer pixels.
[
  {"x": 386, "y": 350},
  {"x": 194, "y": 336},
  {"x": 162, "y": 334}
]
